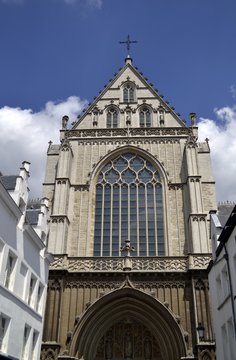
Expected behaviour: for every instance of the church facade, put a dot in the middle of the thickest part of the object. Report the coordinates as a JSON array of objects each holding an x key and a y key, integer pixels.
[{"x": 130, "y": 190}]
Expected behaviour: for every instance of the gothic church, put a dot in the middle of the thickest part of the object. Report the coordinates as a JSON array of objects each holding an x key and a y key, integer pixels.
[{"x": 130, "y": 190}]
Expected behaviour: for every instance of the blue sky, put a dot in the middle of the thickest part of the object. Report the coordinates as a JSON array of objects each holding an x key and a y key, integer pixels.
[{"x": 55, "y": 50}]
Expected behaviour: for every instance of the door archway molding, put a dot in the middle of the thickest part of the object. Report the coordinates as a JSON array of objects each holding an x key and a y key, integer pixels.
[{"x": 131, "y": 303}]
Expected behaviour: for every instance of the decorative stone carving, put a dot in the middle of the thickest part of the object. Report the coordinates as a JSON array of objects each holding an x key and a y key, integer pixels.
[
  {"x": 133, "y": 141},
  {"x": 81, "y": 187},
  {"x": 96, "y": 133},
  {"x": 200, "y": 261},
  {"x": 176, "y": 186},
  {"x": 191, "y": 142},
  {"x": 141, "y": 264},
  {"x": 49, "y": 351},
  {"x": 65, "y": 120}
]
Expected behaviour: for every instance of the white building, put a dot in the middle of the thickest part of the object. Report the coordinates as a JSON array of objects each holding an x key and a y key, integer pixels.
[
  {"x": 24, "y": 265},
  {"x": 222, "y": 281}
]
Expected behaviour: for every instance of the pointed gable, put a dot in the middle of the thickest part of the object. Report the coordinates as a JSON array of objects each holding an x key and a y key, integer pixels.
[{"x": 128, "y": 100}]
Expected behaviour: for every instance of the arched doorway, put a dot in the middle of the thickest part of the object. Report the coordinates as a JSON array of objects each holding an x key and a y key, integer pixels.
[
  {"x": 128, "y": 339},
  {"x": 127, "y": 324}
]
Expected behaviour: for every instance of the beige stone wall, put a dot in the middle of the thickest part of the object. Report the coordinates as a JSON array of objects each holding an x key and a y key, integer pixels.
[
  {"x": 70, "y": 297},
  {"x": 185, "y": 168},
  {"x": 181, "y": 196}
]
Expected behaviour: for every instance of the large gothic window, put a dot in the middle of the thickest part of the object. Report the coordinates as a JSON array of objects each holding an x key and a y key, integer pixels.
[
  {"x": 112, "y": 118},
  {"x": 145, "y": 117},
  {"x": 129, "y": 205},
  {"x": 128, "y": 93}
]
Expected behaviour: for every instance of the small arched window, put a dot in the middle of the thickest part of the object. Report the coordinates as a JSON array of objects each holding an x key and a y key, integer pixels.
[
  {"x": 112, "y": 118},
  {"x": 128, "y": 93},
  {"x": 145, "y": 117}
]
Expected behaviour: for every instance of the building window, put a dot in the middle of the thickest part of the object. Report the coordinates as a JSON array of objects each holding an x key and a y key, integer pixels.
[
  {"x": 128, "y": 93},
  {"x": 25, "y": 346},
  {"x": 4, "y": 324},
  {"x": 145, "y": 117},
  {"x": 2, "y": 245},
  {"x": 225, "y": 282},
  {"x": 39, "y": 298},
  {"x": 112, "y": 118},
  {"x": 231, "y": 336},
  {"x": 129, "y": 205},
  {"x": 34, "y": 347},
  {"x": 9, "y": 274},
  {"x": 219, "y": 289},
  {"x": 225, "y": 342},
  {"x": 31, "y": 291}
]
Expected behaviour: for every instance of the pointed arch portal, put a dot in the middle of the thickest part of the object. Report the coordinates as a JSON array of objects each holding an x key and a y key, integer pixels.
[{"x": 127, "y": 324}]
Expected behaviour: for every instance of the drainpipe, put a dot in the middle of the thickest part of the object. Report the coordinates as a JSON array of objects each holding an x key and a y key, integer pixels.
[{"x": 226, "y": 256}]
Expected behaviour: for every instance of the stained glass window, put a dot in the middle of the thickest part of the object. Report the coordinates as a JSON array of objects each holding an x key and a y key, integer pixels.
[{"x": 129, "y": 205}]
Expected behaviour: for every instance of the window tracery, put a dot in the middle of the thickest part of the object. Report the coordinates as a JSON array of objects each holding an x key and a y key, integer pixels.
[
  {"x": 112, "y": 117},
  {"x": 128, "y": 93},
  {"x": 129, "y": 205},
  {"x": 145, "y": 117}
]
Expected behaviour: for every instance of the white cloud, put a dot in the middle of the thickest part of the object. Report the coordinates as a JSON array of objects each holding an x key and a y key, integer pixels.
[
  {"x": 92, "y": 3},
  {"x": 223, "y": 150},
  {"x": 25, "y": 135},
  {"x": 233, "y": 91}
]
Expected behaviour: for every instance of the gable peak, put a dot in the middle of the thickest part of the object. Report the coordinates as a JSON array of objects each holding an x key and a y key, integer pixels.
[{"x": 128, "y": 60}]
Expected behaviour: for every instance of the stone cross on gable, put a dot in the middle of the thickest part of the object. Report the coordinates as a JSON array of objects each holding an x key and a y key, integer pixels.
[{"x": 128, "y": 42}]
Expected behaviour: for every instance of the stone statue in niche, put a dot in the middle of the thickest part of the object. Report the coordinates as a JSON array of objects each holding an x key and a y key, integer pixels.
[
  {"x": 147, "y": 349},
  {"x": 128, "y": 346},
  {"x": 65, "y": 120},
  {"x": 108, "y": 349}
]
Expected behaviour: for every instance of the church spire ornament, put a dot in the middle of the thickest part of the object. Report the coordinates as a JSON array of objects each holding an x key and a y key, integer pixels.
[{"x": 128, "y": 42}]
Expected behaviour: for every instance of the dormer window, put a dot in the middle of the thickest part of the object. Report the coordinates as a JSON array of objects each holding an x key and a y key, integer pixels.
[
  {"x": 145, "y": 117},
  {"x": 128, "y": 93},
  {"x": 112, "y": 118}
]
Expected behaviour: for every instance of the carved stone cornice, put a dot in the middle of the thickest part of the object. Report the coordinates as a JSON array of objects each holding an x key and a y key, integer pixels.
[
  {"x": 59, "y": 219},
  {"x": 191, "y": 142},
  {"x": 198, "y": 217},
  {"x": 119, "y": 132},
  {"x": 137, "y": 141},
  {"x": 137, "y": 264},
  {"x": 81, "y": 187},
  {"x": 199, "y": 261},
  {"x": 176, "y": 186},
  {"x": 50, "y": 350},
  {"x": 62, "y": 181}
]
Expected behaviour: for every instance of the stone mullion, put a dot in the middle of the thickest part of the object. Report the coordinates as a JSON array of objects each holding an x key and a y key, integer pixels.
[
  {"x": 155, "y": 216},
  {"x": 79, "y": 304},
  {"x": 137, "y": 202},
  {"x": 208, "y": 310},
  {"x": 102, "y": 217},
  {"x": 174, "y": 301},
  {"x": 51, "y": 322},
  {"x": 47, "y": 322},
  {"x": 72, "y": 311},
  {"x": 111, "y": 218},
  {"x": 120, "y": 239},
  {"x": 146, "y": 219}
]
